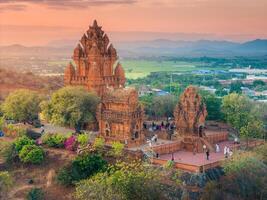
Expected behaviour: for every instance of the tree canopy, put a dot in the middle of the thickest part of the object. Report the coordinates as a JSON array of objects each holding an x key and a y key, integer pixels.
[
  {"x": 22, "y": 105},
  {"x": 71, "y": 106},
  {"x": 243, "y": 115}
]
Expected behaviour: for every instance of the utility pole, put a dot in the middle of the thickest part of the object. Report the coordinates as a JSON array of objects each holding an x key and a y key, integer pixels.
[{"x": 171, "y": 84}]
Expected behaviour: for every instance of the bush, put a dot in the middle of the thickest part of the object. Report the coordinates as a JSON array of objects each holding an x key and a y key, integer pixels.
[
  {"x": 22, "y": 141},
  {"x": 117, "y": 149},
  {"x": 64, "y": 176},
  {"x": 84, "y": 166},
  {"x": 99, "y": 144},
  {"x": 31, "y": 154},
  {"x": 9, "y": 152},
  {"x": 70, "y": 143},
  {"x": 35, "y": 194},
  {"x": 54, "y": 140},
  {"x": 83, "y": 139}
]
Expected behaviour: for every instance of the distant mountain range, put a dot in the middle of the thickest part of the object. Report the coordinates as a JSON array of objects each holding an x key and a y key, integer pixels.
[
  {"x": 159, "y": 47},
  {"x": 194, "y": 48}
]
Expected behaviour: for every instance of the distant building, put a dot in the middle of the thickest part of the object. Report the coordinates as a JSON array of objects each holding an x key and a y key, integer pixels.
[
  {"x": 144, "y": 90},
  {"x": 249, "y": 71},
  {"x": 209, "y": 89},
  {"x": 159, "y": 92},
  {"x": 248, "y": 92}
]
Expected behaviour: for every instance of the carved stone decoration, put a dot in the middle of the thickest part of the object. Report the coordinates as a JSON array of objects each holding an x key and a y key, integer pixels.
[
  {"x": 190, "y": 113},
  {"x": 120, "y": 117},
  {"x": 93, "y": 61}
]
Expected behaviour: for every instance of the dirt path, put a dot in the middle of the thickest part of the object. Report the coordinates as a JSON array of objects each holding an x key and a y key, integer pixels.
[{"x": 13, "y": 193}]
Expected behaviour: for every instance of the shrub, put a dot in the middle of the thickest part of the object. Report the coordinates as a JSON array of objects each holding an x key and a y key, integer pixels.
[
  {"x": 35, "y": 194},
  {"x": 99, "y": 144},
  {"x": 86, "y": 165},
  {"x": 64, "y": 176},
  {"x": 83, "y": 139},
  {"x": 82, "y": 167},
  {"x": 9, "y": 152},
  {"x": 54, "y": 140},
  {"x": 70, "y": 143},
  {"x": 117, "y": 149},
  {"x": 22, "y": 141},
  {"x": 31, "y": 154},
  {"x": 169, "y": 164}
]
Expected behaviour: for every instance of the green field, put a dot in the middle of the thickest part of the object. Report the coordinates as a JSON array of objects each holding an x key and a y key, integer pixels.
[{"x": 141, "y": 68}]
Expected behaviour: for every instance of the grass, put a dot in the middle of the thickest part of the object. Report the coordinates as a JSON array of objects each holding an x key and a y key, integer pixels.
[{"x": 141, "y": 68}]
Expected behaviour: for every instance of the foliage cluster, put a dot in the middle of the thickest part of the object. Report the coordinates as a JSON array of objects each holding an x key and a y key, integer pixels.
[
  {"x": 54, "y": 140},
  {"x": 245, "y": 178},
  {"x": 35, "y": 194},
  {"x": 22, "y": 106},
  {"x": 117, "y": 149},
  {"x": 70, "y": 106},
  {"x": 123, "y": 181},
  {"x": 83, "y": 139},
  {"x": 82, "y": 167},
  {"x": 245, "y": 116},
  {"x": 31, "y": 154},
  {"x": 25, "y": 149}
]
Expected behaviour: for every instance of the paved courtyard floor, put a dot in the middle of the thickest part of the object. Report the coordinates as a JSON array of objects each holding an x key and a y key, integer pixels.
[{"x": 199, "y": 158}]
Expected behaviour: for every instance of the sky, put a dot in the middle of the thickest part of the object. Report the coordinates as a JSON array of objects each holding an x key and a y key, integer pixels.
[{"x": 40, "y": 22}]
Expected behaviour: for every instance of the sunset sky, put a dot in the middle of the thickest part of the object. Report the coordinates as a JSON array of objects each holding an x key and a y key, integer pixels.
[{"x": 38, "y": 22}]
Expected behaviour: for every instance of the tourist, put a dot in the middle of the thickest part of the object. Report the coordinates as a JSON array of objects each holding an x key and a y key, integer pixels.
[
  {"x": 42, "y": 129},
  {"x": 208, "y": 154},
  {"x": 228, "y": 151},
  {"x": 204, "y": 148},
  {"x": 217, "y": 147},
  {"x": 236, "y": 140},
  {"x": 225, "y": 152}
]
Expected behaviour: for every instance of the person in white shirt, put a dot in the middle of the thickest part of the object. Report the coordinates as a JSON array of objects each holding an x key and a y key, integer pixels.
[
  {"x": 204, "y": 148},
  {"x": 228, "y": 151},
  {"x": 225, "y": 152},
  {"x": 217, "y": 147}
]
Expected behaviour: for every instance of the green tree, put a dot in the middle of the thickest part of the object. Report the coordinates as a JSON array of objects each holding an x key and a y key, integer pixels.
[
  {"x": 242, "y": 114},
  {"x": 123, "y": 181},
  {"x": 163, "y": 106},
  {"x": 236, "y": 109},
  {"x": 244, "y": 179},
  {"x": 71, "y": 106},
  {"x": 235, "y": 87},
  {"x": 213, "y": 105},
  {"x": 22, "y": 105}
]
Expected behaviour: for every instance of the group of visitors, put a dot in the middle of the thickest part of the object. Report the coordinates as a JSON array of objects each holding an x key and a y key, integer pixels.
[
  {"x": 226, "y": 151},
  {"x": 158, "y": 127}
]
